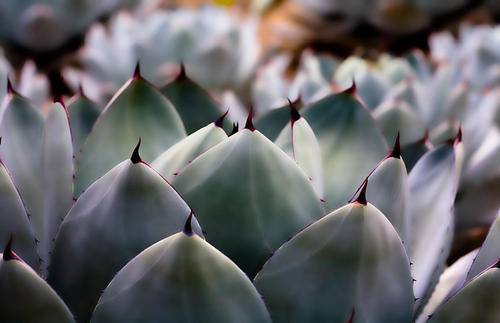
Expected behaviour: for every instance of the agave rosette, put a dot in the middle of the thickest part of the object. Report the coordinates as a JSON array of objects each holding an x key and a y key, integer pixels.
[{"x": 250, "y": 194}]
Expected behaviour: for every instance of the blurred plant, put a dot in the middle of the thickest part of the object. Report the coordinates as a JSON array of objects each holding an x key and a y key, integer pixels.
[{"x": 217, "y": 50}]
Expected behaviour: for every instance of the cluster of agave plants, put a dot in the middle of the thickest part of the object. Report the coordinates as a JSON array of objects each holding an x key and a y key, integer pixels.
[{"x": 336, "y": 198}]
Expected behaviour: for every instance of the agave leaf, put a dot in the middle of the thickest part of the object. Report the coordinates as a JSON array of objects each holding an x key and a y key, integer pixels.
[
  {"x": 126, "y": 210},
  {"x": 15, "y": 221},
  {"x": 478, "y": 301},
  {"x": 56, "y": 179},
  {"x": 137, "y": 110},
  {"x": 182, "y": 153},
  {"x": 483, "y": 164},
  {"x": 433, "y": 184},
  {"x": 489, "y": 252},
  {"x": 25, "y": 296},
  {"x": 21, "y": 129},
  {"x": 389, "y": 191},
  {"x": 443, "y": 132},
  {"x": 450, "y": 282},
  {"x": 195, "y": 106},
  {"x": 351, "y": 260},
  {"x": 350, "y": 143},
  {"x": 371, "y": 88},
  {"x": 414, "y": 151},
  {"x": 298, "y": 140},
  {"x": 271, "y": 123},
  {"x": 397, "y": 116},
  {"x": 437, "y": 91},
  {"x": 249, "y": 196},
  {"x": 83, "y": 113},
  {"x": 181, "y": 279}
]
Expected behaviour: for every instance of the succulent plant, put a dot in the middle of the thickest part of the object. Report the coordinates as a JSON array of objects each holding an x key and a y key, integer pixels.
[
  {"x": 274, "y": 208},
  {"x": 425, "y": 100},
  {"x": 218, "y": 51},
  {"x": 46, "y": 25}
]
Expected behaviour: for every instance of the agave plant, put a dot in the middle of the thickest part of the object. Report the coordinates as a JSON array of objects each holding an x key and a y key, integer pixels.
[
  {"x": 427, "y": 101},
  {"x": 47, "y": 25},
  {"x": 28, "y": 81},
  {"x": 196, "y": 225},
  {"x": 217, "y": 50}
]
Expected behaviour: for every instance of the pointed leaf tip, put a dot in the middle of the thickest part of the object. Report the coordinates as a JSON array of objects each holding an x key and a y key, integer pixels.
[
  {"x": 294, "y": 113},
  {"x": 361, "y": 199},
  {"x": 137, "y": 70},
  {"x": 396, "y": 150},
  {"x": 352, "y": 90},
  {"x": 59, "y": 99},
  {"x": 188, "y": 230},
  {"x": 249, "y": 124},
  {"x": 10, "y": 88},
  {"x": 458, "y": 137},
  {"x": 351, "y": 317},
  {"x": 220, "y": 120},
  {"x": 136, "y": 158},
  {"x": 80, "y": 90},
  {"x": 235, "y": 129},
  {"x": 8, "y": 254},
  {"x": 182, "y": 73}
]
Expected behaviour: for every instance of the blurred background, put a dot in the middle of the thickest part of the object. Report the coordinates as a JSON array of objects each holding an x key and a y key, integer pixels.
[{"x": 263, "y": 53}]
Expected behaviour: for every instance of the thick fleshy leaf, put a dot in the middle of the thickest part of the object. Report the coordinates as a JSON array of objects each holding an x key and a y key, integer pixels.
[
  {"x": 195, "y": 106},
  {"x": 137, "y": 110},
  {"x": 15, "y": 221},
  {"x": 489, "y": 252},
  {"x": 182, "y": 153},
  {"x": 83, "y": 113},
  {"x": 271, "y": 123},
  {"x": 297, "y": 139},
  {"x": 351, "y": 145},
  {"x": 389, "y": 192},
  {"x": 433, "y": 185},
  {"x": 450, "y": 282},
  {"x": 444, "y": 132},
  {"x": 249, "y": 197},
  {"x": 25, "y": 296},
  {"x": 122, "y": 213},
  {"x": 181, "y": 279},
  {"x": 56, "y": 179},
  {"x": 397, "y": 116},
  {"x": 413, "y": 152},
  {"x": 478, "y": 301},
  {"x": 371, "y": 88},
  {"x": 21, "y": 129},
  {"x": 350, "y": 260}
]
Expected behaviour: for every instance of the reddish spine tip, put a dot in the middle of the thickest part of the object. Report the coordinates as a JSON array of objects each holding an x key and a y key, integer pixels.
[
  {"x": 361, "y": 199},
  {"x": 188, "y": 229},
  {"x": 497, "y": 264},
  {"x": 351, "y": 317},
  {"x": 8, "y": 254},
  {"x": 294, "y": 113},
  {"x": 458, "y": 137},
  {"x": 220, "y": 120},
  {"x": 10, "y": 88},
  {"x": 182, "y": 72},
  {"x": 137, "y": 70},
  {"x": 249, "y": 124},
  {"x": 59, "y": 99},
  {"x": 235, "y": 129},
  {"x": 80, "y": 90},
  {"x": 352, "y": 89},
  {"x": 136, "y": 158},
  {"x": 396, "y": 150}
]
